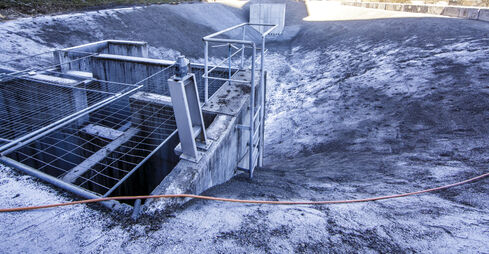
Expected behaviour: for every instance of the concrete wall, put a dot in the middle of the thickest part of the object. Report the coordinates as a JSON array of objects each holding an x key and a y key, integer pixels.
[
  {"x": 217, "y": 165},
  {"x": 473, "y": 13},
  {"x": 268, "y": 14},
  {"x": 131, "y": 70},
  {"x": 484, "y": 15},
  {"x": 67, "y": 58},
  {"x": 27, "y": 110},
  {"x": 127, "y": 48}
]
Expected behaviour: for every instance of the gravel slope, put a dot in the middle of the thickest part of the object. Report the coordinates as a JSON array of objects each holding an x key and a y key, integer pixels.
[{"x": 357, "y": 108}]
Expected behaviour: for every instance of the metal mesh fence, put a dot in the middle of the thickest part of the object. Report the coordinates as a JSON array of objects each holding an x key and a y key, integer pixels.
[
  {"x": 113, "y": 142},
  {"x": 30, "y": 103},
  {"x": 95, "y": 133}
]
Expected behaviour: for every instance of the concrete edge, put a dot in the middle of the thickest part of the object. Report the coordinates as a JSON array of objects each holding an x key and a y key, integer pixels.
[
  {"x": 217, "y": 165},
  {"x": 194, "y": 178},
  {"x": 473, "y": 13}
]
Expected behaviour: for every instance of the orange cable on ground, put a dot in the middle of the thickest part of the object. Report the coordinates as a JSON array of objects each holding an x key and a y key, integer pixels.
[{"x": 17, "y": 209}]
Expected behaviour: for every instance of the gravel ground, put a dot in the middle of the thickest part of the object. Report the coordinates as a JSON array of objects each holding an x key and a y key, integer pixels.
[{"x": 357, "y": 108}]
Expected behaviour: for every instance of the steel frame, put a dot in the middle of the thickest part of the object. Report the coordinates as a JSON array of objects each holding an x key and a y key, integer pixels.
[{"x": 255, "y": 112}]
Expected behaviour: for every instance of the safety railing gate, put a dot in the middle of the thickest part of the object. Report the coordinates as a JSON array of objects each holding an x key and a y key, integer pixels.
[{"x": 243, "y": 40}]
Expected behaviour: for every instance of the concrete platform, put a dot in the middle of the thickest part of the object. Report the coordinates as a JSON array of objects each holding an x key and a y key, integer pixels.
[{"x": 219, "y": 163}]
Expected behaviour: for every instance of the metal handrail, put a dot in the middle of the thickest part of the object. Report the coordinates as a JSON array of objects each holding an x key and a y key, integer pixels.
[{"x": 260, "y": 110}]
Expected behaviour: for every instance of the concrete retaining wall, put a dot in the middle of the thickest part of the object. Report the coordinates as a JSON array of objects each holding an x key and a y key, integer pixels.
[
  {"x": 115, "y": 68},
  {"x": 268, "y": 14},
  {"x": 473, "y": 13},
  {"x": 68, "y": 58},
  {"x": 217, "y": 165},
  {"x": 484, "y": 15}
]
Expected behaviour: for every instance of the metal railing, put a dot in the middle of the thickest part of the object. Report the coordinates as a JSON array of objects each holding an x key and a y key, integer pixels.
[{"x": 245, "y": 41}]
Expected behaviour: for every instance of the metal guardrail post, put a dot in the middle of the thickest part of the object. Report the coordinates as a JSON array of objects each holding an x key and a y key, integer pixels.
[
  {"x": 254, "y": 159},
  {"x": 243, "y": 48},
  {"x": 262, "y": 102},
  {"x": 206, "y": 69},
  {"x": 252, "y": 110},
  {"x": 229, "y": 56}
]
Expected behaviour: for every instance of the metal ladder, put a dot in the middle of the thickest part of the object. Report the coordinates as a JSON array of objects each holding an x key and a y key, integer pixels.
[{"x": 252, "y": 156}]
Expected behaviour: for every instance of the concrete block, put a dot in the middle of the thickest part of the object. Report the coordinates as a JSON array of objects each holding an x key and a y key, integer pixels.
[
  {"x": 451, "y": 11},
  {"x": 421, "y": 9},
  {"x": 102, "y": 131},
  {"x": 128, "y": 48},
  {"x": 483, "y": 15},
  {"x": 268, "y": 14},
  {"x": 390, "y": 7},
  {"x": 394, "y": 7},
  {"x": 381, "y": 6},
  {"x": 469, "y": 13},
  {"x": 408, "y": 8},
  {"x": 437, "y": 10},
  {"x": 73, "y": 174}
]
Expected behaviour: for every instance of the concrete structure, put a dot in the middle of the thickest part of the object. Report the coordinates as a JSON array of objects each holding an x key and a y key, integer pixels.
[
  {"x": 484, "y": 14},
  {"x": 474, "y": 13},
  {"x": 65, "y": 57},
  {"x": 268, "y": 14},
  {"x": 219, "y": 163},
  {"x": 117, "y": 133}
]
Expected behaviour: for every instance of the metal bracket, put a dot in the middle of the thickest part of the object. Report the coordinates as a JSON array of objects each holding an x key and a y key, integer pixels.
[
  {"x": 241, "y": 126},
  {"x": 188, "y": 116}
]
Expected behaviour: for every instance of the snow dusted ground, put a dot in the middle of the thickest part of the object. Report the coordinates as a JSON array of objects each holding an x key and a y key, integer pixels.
[
  {"x": 356, "y": 108},
  {"x": 370, "y": 97}
]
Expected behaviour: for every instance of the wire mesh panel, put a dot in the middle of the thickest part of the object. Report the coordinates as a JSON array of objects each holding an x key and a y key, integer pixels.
[
  {"x": 30, "y": 103},
  {"x": 113, "y": 142},
  {"x": 213, "y": 85},
  {"x": 98, "y": 131},
  {"x": 130, "y": 70}
]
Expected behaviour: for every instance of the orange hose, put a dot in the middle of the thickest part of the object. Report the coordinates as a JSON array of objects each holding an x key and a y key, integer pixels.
[{"x": 16, "y": 209}]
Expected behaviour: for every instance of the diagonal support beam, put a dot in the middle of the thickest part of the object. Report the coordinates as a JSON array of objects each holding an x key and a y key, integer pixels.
[{"x": 101, "y": 154}]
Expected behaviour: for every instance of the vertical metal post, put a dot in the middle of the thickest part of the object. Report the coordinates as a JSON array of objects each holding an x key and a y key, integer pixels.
[
  {"x": 243, "y": 49},
  {"x": 252, "y": 110},
  {"x": 229, "y": 56},
  {"x": 206, "y": 69},
  {"x": 262, "y": 102}
]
